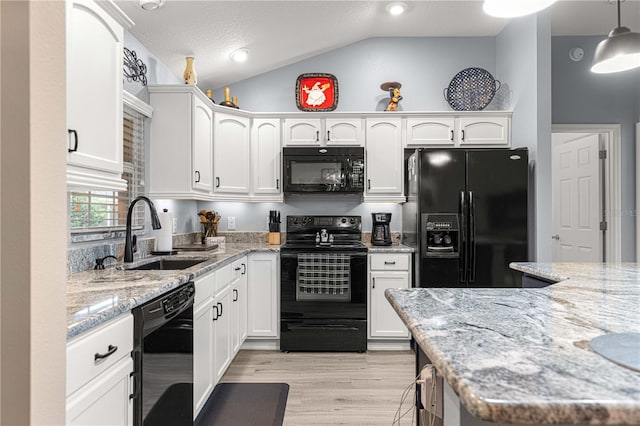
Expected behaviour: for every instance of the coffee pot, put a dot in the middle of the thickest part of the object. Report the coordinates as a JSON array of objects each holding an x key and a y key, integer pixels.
[{"x": 381, "y": 233}]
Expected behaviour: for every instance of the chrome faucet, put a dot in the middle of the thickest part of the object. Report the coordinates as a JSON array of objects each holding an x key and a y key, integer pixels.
[{"x": 130, "y": 242}]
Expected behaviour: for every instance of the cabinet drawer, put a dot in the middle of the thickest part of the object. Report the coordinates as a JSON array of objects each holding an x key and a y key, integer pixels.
[
  {"x": 204, "y": 288},
  {"x": 389, "y": 262},
  {"x": 82, "y": 365},
  {"x": 224, "y": 276}
]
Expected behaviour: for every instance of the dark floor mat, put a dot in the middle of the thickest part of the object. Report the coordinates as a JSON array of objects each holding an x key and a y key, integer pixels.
[{"x": 245, "y": 404}]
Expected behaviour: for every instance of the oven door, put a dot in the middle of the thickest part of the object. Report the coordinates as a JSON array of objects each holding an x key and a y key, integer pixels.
[{"x": 323, "y": 301}]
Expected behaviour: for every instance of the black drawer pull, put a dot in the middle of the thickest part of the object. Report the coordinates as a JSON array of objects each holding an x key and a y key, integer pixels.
[
  {"x": 389, "y": 263},
  {"x": 111, "y": 350},
  {"x": 75, "y": 140}
]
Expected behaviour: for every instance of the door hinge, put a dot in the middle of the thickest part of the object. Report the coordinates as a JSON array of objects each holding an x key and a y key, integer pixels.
[
  {"x": 603, "y": 225},
  {"x": 602, "y": 154}
]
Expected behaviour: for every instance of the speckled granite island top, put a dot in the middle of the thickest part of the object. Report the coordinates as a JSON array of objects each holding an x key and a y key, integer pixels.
[
  {"x": 522, "y": 356},
  {"x": 94, "y": 297}
]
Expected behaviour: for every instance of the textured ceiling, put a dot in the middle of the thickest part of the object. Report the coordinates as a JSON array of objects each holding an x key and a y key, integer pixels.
[{"x": 279, "y": 33}]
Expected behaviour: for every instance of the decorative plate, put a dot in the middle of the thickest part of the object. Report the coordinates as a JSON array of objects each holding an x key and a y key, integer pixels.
[
  {"x": 316, "y": 92},
  {"x": 471, "y": 89}
]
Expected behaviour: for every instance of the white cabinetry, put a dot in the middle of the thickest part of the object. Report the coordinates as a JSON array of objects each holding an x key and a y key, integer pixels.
[
  {"x": 343, "y": 131},
  {"x": 266, "y": 161},
  {"x": 263, "y": 295},
  {"x": 99, "y": 369},
  {"x": 180, "y": 153},
  {"x": 204, "y": 379},
  {"x": 488, "y": 130},
  {"x": 384, "y": 159},
  {"x": 239, "y": 305},
  {"x": 386, "y": 270},
  {"x": 94, "y": 97},
  {"x": 231, "y": 144},
  {"x": 222, "y": 320}
]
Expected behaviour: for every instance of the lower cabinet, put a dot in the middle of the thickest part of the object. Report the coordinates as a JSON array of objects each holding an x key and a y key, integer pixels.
[
  {"x": 203, "y": 359},
  {"x": 99, "y": 368},
  {"x": 222, "y": 322},
  {"x": 263, "y": 295},
  {"x": 387, "y": 270}
]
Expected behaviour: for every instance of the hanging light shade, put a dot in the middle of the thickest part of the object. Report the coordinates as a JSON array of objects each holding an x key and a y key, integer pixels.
[
  {"x": 618, "y": 52},
  {"x": 514, "y": 8}
]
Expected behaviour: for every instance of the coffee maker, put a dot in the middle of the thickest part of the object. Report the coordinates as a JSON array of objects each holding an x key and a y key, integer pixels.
[{"x": 381, "y": 234}]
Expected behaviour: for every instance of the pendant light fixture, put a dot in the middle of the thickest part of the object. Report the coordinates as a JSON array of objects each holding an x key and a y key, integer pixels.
[
  {"x": 618, "y": 52},
  {"x": 514, "y": 8}
]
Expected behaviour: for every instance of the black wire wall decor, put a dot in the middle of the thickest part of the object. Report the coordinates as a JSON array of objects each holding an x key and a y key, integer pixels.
[{"x": 134, "y": 69}]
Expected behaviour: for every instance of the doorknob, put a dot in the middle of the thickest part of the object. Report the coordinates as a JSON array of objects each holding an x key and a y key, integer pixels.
[{"x": 555, "y": 237}]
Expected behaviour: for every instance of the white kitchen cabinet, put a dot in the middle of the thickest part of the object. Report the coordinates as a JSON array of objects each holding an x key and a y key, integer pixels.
[
  {"x": 344, "y": 131},
  {"x": 263, "y": 295},
  {"x": 484, "y": 131},
  {"x": 488, "y": 130},
  {"x": 180, "y": 149},
  {"x": 222, "y": 329},
  {"x": 384, "y": 159},
  {"x": 387, "y": 270},
  {"x": 99, "y": 369},
  {"x": 239, "y": 305},
  {"x": 231, "y": 161},
  {"x": 94, "y": 97},
  {"x": 204, "y": 377},
  {"x": 266, "y": 163}
]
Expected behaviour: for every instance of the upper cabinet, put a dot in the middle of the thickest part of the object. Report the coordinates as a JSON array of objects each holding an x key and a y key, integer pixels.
[
  {"x": 477, "y": 130},
  {"x": 231, "y": 144},
  {"x": 180, "y": 148},
  {"x": 266, "y": 153},
  {"x": 384, "y": 157},
  {"x": 94, "y": 97},
  {"x": 323, "y": 132}
]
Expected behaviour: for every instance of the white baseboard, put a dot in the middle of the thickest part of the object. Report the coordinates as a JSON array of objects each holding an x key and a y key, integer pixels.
[
  {"x": 388, "y": 345},
  {"x": 261, "y": 345}
]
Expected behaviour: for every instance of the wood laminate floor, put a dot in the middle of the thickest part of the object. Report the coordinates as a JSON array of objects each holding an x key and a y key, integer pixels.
[{"x": 329, "y": 388}]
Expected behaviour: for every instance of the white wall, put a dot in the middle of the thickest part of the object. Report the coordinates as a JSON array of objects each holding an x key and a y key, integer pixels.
[{"x": 33, "y": 213}]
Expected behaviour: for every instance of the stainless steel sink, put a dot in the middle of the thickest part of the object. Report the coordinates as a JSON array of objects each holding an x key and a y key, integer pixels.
[{"x": 167, "y": 264}]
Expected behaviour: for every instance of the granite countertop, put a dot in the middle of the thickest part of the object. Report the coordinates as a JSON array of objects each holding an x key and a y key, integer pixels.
[
  {"x": 522, "y": 355},
  {"x": 94, "y": 297},
  {"x": 393, "y": 248}
]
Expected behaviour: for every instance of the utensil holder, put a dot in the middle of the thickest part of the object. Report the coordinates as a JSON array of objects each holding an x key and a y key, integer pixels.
[{"x": 274, "y": 238}]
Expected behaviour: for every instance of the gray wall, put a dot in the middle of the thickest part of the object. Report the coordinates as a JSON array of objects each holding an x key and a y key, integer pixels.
[
  {"x": 582, "y": 97},
  {"x": 423, "y": 65},
  {"x": 523, "y": 65}
]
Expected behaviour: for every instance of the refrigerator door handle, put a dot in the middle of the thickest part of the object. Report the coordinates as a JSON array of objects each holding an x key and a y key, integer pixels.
[
  {"x": 463, "y": 240},
  {"x": 472, "y": 240}
]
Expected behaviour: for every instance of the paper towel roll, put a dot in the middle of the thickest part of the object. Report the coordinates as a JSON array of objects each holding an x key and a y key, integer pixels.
[{"x": 164, "y": 236}]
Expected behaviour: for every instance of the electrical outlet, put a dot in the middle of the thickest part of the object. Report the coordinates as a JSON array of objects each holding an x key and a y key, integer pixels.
[
  {"x": 174, "y": 225},
  {"x": 231, "y": 223}
]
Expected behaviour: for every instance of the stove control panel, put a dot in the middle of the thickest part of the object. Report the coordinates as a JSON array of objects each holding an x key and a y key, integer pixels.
[{"x": 329, "y": 223}]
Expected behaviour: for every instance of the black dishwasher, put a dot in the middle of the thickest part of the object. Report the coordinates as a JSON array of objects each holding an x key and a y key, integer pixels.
[{"x": 163, "y": 359}]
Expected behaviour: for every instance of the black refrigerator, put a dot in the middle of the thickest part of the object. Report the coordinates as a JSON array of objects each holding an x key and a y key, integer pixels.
[{"x": 466, "y": 216}]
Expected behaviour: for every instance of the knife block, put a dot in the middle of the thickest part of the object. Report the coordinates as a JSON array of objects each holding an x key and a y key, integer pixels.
[{"x": 274, "y": 238}]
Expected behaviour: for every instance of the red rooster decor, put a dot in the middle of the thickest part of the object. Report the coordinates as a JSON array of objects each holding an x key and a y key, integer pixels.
[{"x": 316, "y": 92}]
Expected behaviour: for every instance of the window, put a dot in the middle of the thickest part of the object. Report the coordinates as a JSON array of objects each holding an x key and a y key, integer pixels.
[{"x": 99, "y": 212}]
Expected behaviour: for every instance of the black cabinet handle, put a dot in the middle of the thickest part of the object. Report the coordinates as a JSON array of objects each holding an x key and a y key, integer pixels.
[
  {"x": 462, "y": 134},
  {"x": 220, "y": 306},
  {"x": 277, "y": 183},
  {"x": 237, "y": 269},
  {"x": 368, "y": 183},
  {"x": 134, "y": 386},
  {"x": 328, "y": 135},
  {"x": 389, "y": 263},
  {"x": 75, "y": 139},
  {"x": 317, "y": 135},
  {"x": 452, "y": 136},
  {"x": 217, "y": 314},
  {"x": 217, "y": 182},
  {"x": 235, "y": 295},
  {"x": 197, "y": 174},
  {"x": 244, "y": 269},
  {"x": 373, "y": 281},
  {"x": 110, "y": 351}
]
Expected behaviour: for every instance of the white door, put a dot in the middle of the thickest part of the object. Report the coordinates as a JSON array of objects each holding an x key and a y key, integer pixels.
[{"x": 576, "y": 200}]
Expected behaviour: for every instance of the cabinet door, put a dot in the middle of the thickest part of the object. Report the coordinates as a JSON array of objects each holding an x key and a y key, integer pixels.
[
  {"x": 203, "y": 361},
  {"x": 302, "y": 132},
  {"x": 265, "y": 154},
  {"x": 422, "y": 131},
  {"x": 94, "y": 89},
  {"x": 231, "y": 154},
  {"x": 105, "y": 400},
  {"x": 484, "y": 131},
  {"x": 202, "y": 146},
  {"x": 384, "y": 157},
  {"x": 384, "y": 322},
  {"x": 345, "y": 131},
  {"x": 222, "y": 319},
  {"x": 263, "y": 295}
]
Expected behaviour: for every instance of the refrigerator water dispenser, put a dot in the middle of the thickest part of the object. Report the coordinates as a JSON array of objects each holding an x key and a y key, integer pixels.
[{"x": 441, "y": 235}]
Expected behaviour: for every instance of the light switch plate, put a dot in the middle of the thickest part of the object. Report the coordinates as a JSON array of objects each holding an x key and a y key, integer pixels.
[
  {"x": 174, "y": 225},
  {"x": 231, "y": 223}
]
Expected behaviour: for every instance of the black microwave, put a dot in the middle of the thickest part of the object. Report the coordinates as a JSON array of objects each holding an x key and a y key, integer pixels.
[{"x": 319, "y": 169}]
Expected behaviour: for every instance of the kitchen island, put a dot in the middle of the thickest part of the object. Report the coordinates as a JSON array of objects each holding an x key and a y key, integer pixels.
[{"x": 522, "y": 356}]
